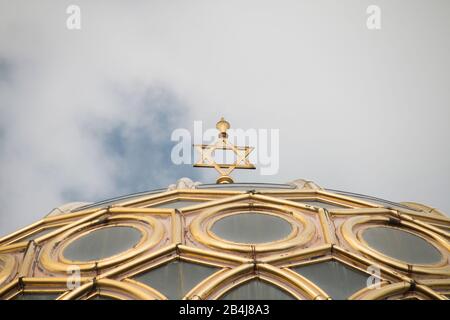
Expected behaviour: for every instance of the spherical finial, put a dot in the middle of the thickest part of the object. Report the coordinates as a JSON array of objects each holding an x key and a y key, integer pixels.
[
  {"x": 224, "y": 180},
  {"x": 223, "y": 126}
]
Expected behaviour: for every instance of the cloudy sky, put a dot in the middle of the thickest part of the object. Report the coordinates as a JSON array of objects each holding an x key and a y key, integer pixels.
[{"x": 88, "y": 114}]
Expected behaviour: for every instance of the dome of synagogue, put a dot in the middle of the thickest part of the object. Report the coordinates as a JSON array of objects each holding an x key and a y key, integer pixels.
[{"x": 242, "y": 241}]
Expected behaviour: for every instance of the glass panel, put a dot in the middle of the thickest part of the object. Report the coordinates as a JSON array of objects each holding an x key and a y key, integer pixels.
[
  {"x": 335, "y": 278},
  {"x": 245, "y": 186},
  {"x": 233, "y": 186},
  {"x": 177, "y": 204},
  {"x": 37, "y": 296},
  {"x": 257, "y": 290},
  {"x": 98, "y": 297},
  {"x": 320, "y": 204},
  {"x": 126, "y": 198},
  {"x": 374, "y": 200},
  {"x": 401, "y": 245},
  {"x": 252, "y": 227},
  {"x": 175, "y": 279},
  {"x": 102, "y": 243}
]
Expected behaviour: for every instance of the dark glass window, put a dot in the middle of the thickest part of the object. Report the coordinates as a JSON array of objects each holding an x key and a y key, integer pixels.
[
  {"x": 257, "y": 290},
  {"x": 177, "y": 204},
  {"x": 102, "y": 243},
  {"x": 99, "y": 297},
  {"x": 175, "y": 279},
  {"x": 252, "y": 227},
  {"x": 401, "y": 245},
  {"x": 126, "y": 198},
  {"x": 37, "y": 296},
  {"x": 337, "y": 279}
]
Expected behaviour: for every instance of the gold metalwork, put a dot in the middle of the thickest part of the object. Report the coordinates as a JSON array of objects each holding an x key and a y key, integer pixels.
[
  {"x": 114, "y": 289},
  {"x": 353, "y": 236},
  {"x": 302, "y": 229},
  {"x": 185, "y": 233},
  {"x": 52, "y": 256},
  {"x": 7, "y": 265},
  {"x": 206, "y": 152}
]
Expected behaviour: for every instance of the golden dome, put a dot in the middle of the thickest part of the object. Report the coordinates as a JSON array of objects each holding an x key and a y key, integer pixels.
[{"x": 231, "y": 241}]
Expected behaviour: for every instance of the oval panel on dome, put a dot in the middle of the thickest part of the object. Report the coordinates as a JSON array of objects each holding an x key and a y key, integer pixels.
[
  {"x": 252, "y": 227},
  {"x": 102, "y": 243},
  {"x": 401, "y": 245},
  {"x": 36, "y": 296}
]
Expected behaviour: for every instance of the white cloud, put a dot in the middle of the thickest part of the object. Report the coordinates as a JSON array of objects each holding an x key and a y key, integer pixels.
[{"x": 359, "y": 110}]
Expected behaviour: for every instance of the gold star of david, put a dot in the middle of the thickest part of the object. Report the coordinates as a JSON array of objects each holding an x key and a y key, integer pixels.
[{"x": 206, "y": 152}]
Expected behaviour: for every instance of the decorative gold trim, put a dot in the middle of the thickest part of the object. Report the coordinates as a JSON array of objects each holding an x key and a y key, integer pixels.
[
  {"x": 136, "y": 262},
  {"x": 7, "y": 266},
  {"x": 200, "y": 228},
  {"x": 236, "y": 266},
  {"x": 27, "y": 259},
  {"x": 132, "y": 290},
  {"x": 390, "y": 290},
  {"x": 36, "y": 285},
  {"x": 325, "y": 223},
  {"x": 52, "y": 253}
]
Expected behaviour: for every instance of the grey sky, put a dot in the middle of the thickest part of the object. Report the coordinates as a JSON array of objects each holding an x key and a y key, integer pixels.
[{"x": 86, "y": 115}]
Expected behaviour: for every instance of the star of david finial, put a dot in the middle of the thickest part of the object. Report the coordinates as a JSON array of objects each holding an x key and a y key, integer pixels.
[{"x": 207, "y": 154}]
